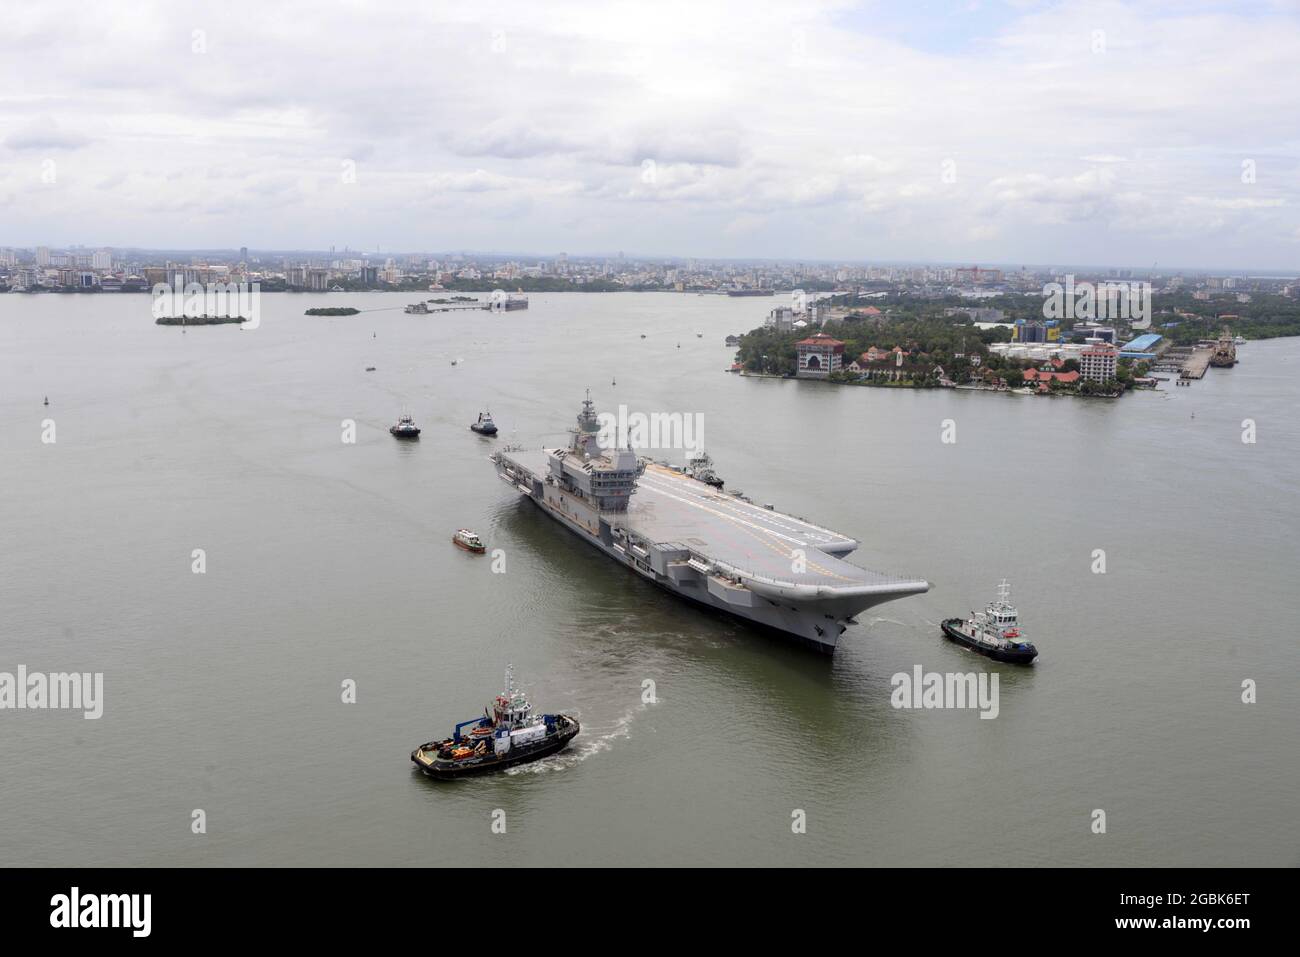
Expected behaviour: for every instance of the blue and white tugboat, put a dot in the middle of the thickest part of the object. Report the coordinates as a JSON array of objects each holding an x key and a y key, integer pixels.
[
  {"x": 484, "y": 425},
  {"x": 405, "y": 428},
  {"x": 507, "y": 734},
  {"x": 994, "y": 632}
]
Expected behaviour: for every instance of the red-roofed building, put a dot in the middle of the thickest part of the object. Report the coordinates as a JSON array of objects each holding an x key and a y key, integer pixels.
[
  {"x": 1037, "y": 375},
  {"x": 819, "y": 356}
]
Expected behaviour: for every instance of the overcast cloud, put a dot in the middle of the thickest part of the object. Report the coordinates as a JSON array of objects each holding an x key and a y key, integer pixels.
[{"x": 1026, "y": 132}]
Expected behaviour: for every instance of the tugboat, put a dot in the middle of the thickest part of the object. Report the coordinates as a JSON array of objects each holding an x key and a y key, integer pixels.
[
  {"x": 994, "y": 632},
  {"x": 507, "y": 734},
  {"x": 700, "y": 467},
  {"x": 484, "y": 425},
  {"x": 467, "y": 540},
  {"x": 405, "y": 428}
]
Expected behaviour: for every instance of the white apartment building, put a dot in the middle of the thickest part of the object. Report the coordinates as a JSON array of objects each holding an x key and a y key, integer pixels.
[{"x": 1098, "y": 362}]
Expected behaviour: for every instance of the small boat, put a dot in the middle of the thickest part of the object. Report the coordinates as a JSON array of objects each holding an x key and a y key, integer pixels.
[
  {"x": 699, "y": 335},
  {"x": 994, "y": 632},
  {"x": 643, "y": 335},
  {"x": 47, "y": 400},
  {"x": 484, "y": 425},
  {"x": 508, "y": 733},
  {"x": 467, "y": 540},
  {"x": 405, "y": 428},
  {"x": 700, "y": 468},
  {"x": 370, "y": 368}
]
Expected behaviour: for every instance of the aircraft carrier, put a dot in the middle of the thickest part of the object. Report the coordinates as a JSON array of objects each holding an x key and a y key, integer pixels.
[{"x": 770, "y": 569}]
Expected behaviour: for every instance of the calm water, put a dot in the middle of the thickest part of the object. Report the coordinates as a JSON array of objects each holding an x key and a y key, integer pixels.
[{"x": 328, "y": 561}]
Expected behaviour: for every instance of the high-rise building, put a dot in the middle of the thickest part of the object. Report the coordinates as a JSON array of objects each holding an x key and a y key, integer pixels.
[
  {"x": 42, "y": 256},
  {"x": 1099, "y": 362},
  {"x": 103, "y": 259}
]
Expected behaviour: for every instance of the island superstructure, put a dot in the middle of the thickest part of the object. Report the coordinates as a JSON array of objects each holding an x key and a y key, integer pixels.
[{"x": 718, "y": 550}]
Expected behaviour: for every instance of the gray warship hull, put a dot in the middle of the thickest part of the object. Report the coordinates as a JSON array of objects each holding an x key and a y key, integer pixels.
[{"x": 770, "y": 569}]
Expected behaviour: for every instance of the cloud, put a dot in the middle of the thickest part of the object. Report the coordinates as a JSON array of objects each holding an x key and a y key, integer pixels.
[
  {"x": 816, "y": 129},
  {"x": 44, "y": 134}
]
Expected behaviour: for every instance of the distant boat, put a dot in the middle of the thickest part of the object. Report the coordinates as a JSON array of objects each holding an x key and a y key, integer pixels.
[
  {"x": 453, "y": 361},
  {"x": 484, "y": 425},
  {"x": 405, "y": 428},
  {"x": 643, "y": 335},
  {"x": 699, "y": 335},
  {"x": 47, "y": 400},
  {"x": 700, "y": 467},
  {"x": 467, "y": 540},
  {"x": 370, "y": 368}
]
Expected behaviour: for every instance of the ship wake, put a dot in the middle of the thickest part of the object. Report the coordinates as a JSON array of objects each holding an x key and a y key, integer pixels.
[{"x": 591, "y": 741}]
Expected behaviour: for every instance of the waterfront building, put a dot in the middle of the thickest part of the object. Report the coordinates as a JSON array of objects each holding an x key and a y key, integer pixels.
[
  {"x": 1143, "y": 347},
  {"x": 1044, "y": 379},
  {"x": 819, "y": 356},
  {"x": 1098, "y": 362}
]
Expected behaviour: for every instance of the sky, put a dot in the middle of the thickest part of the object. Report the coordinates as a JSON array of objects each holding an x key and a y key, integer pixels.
[{"x": 1132, "y": 134}]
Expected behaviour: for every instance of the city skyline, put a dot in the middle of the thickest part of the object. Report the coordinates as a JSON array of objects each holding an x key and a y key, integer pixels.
[{"x": 1024, "y": 133}]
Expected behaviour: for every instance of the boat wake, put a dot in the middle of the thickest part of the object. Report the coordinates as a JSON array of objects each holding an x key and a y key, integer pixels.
[
  {"x": 877, "y": 620},
  {"x": 587, "y": 746}
]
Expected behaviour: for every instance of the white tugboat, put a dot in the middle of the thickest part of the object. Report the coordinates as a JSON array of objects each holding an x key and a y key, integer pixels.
[
  {"x": 508, "y": 733},
  {"x": 994, "y": 632},
  {"x": 405, "y": 428},
  {"x": 469, "y": 541},
  {"x": 484, "y": 425}
]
